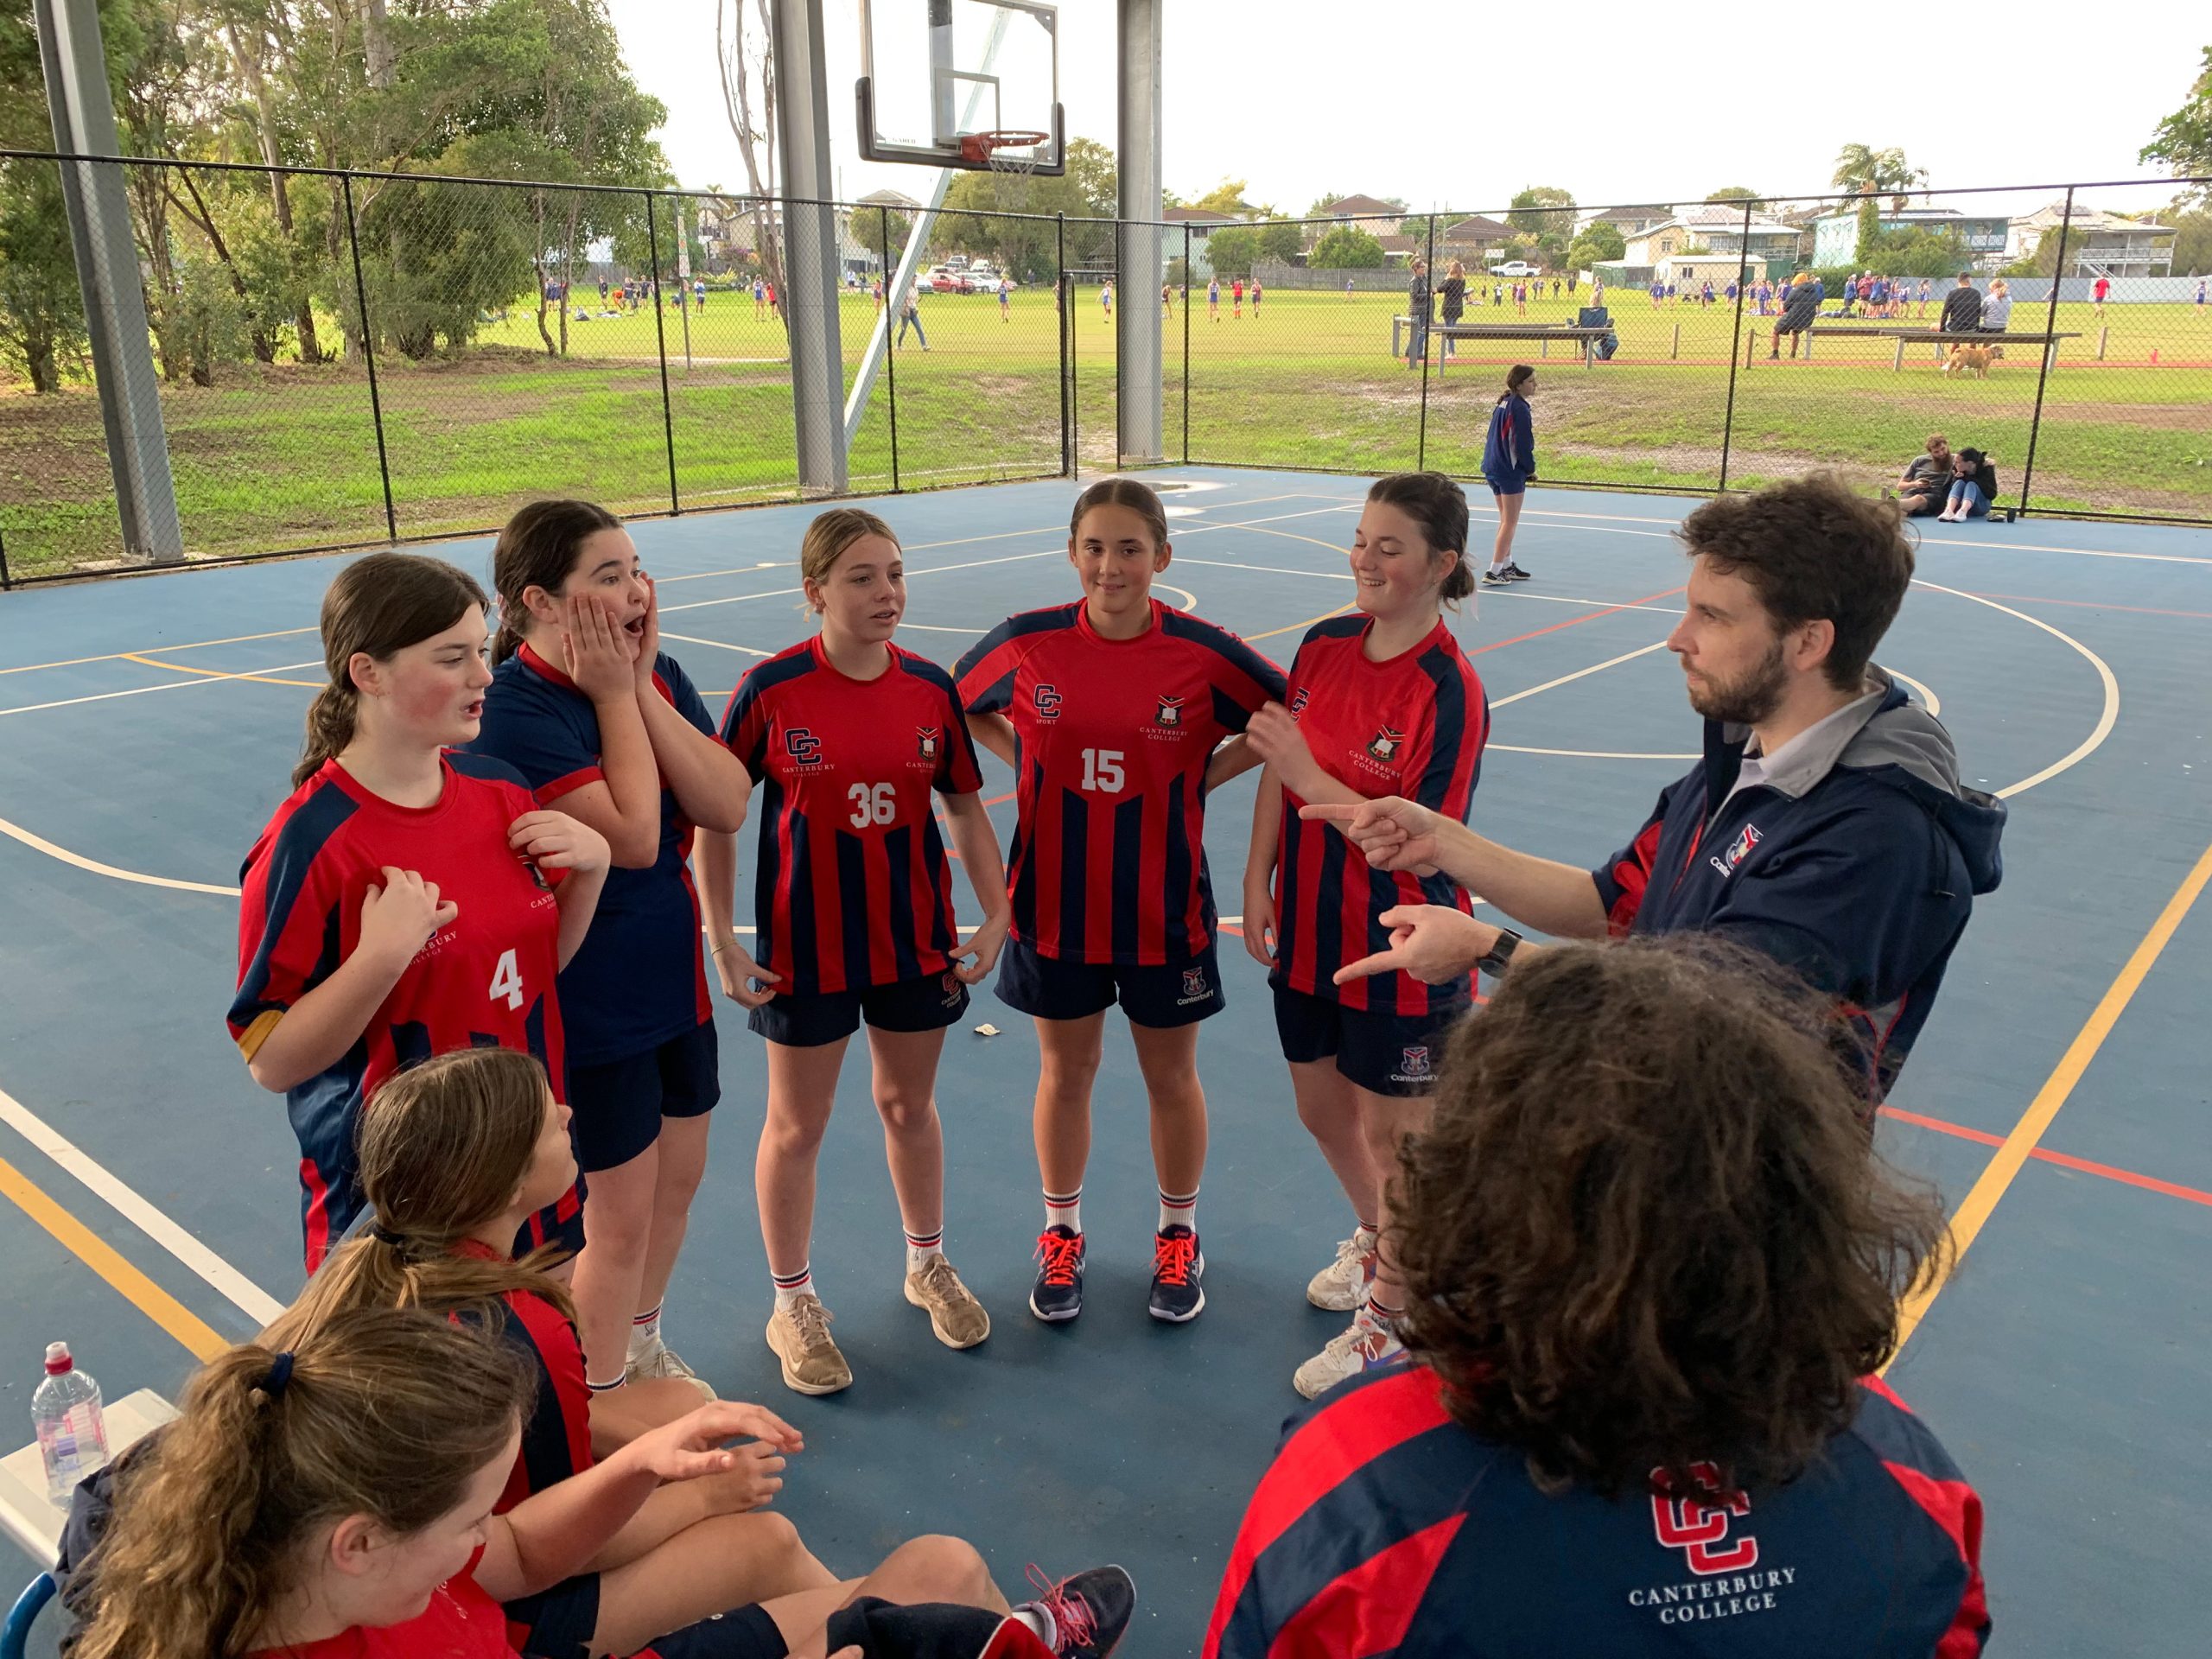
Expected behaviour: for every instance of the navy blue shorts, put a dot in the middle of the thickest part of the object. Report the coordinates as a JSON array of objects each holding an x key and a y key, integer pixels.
[
  {"x": 929, "y": 1003},
  {"x": 1506, "y": 486},
  {"x": 558, "y": 1623},
  {"x": 1384, "y": 1053},
  {"x": 617, "y": 1107},
  {"x": 1173, "y": 994},
  {"x": 742, "y": 1633}
]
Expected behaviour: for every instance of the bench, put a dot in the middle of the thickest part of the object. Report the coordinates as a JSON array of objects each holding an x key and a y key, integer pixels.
[
  {"x": 1936, "y": 337},
  {"x": 27, "y": 1514},
  {"x": 1587, "y": 339}
]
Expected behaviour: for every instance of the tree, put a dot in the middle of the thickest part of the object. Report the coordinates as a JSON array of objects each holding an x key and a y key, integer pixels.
[
  {"x": 2192, "y": 242},
  {"x": 1733, "y": 193},
  {"x": 2183, "y": 140},
  {"x": 875, "y": 228},
  {"x": 1232, "y": 249},
  {"x": 1227, "y": 197},
  {"x": 1540, "y": 209},
  {"x": 743, "y": 70},
  {"x": 1346, "y": 247},
  {"x": 1598, "y": 244},
  {"x": 1870, "y": 229},
  {"x": 1281, "y": 240},
  {"x": 1870, "y": 172},
  {"x": 981, "y": 209}
]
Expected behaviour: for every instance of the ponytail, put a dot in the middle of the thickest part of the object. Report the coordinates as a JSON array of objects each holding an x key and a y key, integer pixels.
[
  {"x": 537, "y": 548},
  {"x": 330, "y": 728},
  {"x": 376, "y": 606},
  {"x": 1439, "y": 507},
  {"x": 385, "y": 1414}
]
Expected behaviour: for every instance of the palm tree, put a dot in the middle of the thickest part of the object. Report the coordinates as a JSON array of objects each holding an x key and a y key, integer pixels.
[{"x": 1869, "y": 172}]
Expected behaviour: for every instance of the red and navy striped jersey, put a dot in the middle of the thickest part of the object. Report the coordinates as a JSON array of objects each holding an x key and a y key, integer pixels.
[
  {"x": 556, "y": 1434},
  {"x": 638, "y": 979},
  {"x": 462, "y": 1622},
  {"x": 484, "y": 981},
  {"x": 1109, "y": 861},
  {"x": 1413, "y": 726},
  {"x": 853, "y": 887},
  {"x": 1383, "y": 1526}
]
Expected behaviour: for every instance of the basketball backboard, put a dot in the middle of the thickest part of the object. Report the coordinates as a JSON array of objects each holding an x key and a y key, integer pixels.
[{"x": 935, "y": 72}]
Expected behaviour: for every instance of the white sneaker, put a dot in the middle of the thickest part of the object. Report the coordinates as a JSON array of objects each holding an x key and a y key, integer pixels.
[
  {"x": 1360, "y": 1347},
  {"x": 655, "y": 1359},
  {"x": 1338, "y": 1286}
]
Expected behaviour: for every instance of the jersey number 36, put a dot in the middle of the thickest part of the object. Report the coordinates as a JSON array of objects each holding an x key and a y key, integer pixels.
[{"x": 872, "y": 804}]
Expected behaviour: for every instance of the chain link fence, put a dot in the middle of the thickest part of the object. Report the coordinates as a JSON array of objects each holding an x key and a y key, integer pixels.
[{"x": 348, "y": 358}]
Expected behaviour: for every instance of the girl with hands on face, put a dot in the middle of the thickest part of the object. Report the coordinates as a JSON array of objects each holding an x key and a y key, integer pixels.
[
  {"x": 406, "y": 898},
  {"x": 854, "y": 742},
  {"x": 604, "y": 725}
]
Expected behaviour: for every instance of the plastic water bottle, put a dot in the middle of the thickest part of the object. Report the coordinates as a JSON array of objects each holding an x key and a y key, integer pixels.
[{"x": 71, "y": 1435}]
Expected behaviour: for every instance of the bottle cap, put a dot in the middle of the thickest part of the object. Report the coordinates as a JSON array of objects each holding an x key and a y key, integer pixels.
[{"x": 57, "y": 1358}]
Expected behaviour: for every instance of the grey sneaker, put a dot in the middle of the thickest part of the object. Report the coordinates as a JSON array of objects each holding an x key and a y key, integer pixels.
[
  {"x": 799, "y": 1335},
  {"x": 657, "y": 1360}
]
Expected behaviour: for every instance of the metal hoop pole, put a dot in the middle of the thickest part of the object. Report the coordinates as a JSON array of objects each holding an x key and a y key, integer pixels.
[{"x": 369, "y": 357}]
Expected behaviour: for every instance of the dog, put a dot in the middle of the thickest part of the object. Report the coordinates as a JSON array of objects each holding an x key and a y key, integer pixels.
[{"x": 1968, "y": 360}]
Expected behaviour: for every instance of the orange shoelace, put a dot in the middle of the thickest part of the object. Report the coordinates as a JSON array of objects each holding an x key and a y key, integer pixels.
[
  {"x": 1173, "y": 1258},
  {"x": 1061, "y": 1257}
]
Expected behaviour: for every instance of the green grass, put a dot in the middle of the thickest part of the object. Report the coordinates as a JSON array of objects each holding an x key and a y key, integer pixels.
[{"x": 286, "y": 457}]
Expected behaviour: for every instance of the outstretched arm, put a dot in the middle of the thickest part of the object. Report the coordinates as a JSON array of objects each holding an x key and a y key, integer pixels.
[{"x": 1397, "y": 833}]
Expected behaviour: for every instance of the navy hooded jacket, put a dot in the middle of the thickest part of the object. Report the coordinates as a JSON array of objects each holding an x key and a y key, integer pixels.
[{"x": 1856, "y": 863}]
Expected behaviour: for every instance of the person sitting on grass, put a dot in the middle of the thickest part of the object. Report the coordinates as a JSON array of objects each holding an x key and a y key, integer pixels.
[
  {"x": 1973, "y": 486},
  {"x": 1654, "y": 1269},
  {"x": 338, "y": 1499},
  {"x": 1926, "y": 480}
]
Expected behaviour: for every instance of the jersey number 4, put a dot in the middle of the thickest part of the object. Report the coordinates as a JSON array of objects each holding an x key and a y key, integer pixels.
[
  {"x": 506, "y": 981},
  {"x": 872, "y": 804},
  {"x": 1102, "y": 770}
]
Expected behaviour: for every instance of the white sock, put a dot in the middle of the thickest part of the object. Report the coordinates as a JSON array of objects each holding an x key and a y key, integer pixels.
[
  {"x": 1178, "y": 1211},
  {"x": 645, "y": 1331},
  {"x": 1042, "y": 1625},
  {"x": 922, "y": 1246},
  {"x": 790, "y": 1287},
  {"x": 1065, "y": 1210}
]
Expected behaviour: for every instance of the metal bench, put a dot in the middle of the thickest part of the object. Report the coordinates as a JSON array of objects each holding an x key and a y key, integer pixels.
[
  {"x": 1936, "y": 337},
  {"x": 1587, "y": 339}
]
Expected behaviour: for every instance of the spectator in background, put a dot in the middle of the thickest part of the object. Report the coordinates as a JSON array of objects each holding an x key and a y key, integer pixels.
[
  {"x": 2100, "y": 290},
  {"x": 1418, "y": 302},
  {"x": 1798, "y": 310},
  {"x": 1961, "y": 309},
  {"x": 1658, "y": 294},
  {"x": 910, "y": 316},
  {"x": 1997, "y": 309},
  {"x": 2200, "y": 290},
  {"x": 1455, "y": 299},
  {"x": 1850, "y": 292},
  {"x": 1973, "y": 486},
  {"x": 1653, "y": 1269},
  {"x": 1926, "y": 290},
  {"x": 1926, "y": 481}
]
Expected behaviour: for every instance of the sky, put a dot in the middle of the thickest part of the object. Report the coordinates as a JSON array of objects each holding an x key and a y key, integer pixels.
[{"x": 1460, "y": 106}]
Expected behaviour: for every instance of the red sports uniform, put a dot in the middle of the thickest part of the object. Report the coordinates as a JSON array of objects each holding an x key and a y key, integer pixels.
[
  {"x": 486, "y": 980},
  {"x": 462, "y": 1622},
  {"x": 853, "y": 887},
  {"x": 1413, "y": 726},
  {"x": 1113, "y": 735}
]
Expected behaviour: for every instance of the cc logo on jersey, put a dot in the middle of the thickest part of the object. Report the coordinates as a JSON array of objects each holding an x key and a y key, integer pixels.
[
  {"x": 801, "y": 745},
  {"x": 1048, "y": 702}
]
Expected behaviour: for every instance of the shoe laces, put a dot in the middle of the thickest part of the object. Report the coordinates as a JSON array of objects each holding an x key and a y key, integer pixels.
[
  {"x": 812, "y": 1320},
  {"x": 1074, "y": 1622},
  {"x": 1172, "y": 1257},
  {"x": 1061, "y": 1256},
  {"x": 940, "y": 1281}
]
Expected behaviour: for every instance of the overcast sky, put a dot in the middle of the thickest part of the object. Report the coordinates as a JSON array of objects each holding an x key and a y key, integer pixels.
[{"x": 1457, "y": 104}]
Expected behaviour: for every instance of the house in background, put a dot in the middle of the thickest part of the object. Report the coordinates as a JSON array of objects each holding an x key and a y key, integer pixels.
[
  {"x": 1835, "y": 234},
  {"x": 1203, "y": 222},
  {"x": 1716, "y": 229},
  {"x": 1375, "y": 217},
  {"x": 2105, "y": 244},
  {"x": 1472, "y": 240},
  {"x": 1629, "y": 221}
]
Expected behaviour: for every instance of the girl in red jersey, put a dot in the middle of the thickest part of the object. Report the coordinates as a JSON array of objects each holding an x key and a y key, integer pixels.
[
  {"x": 1113, "y": 711},
  {"x": 585, "y": 705},
  {"x": 339, "y": 1499},
  {"x": 1381, "y": 703},
  {"x": 851, "y": 739},
  {"x": 405, "y": 899}
]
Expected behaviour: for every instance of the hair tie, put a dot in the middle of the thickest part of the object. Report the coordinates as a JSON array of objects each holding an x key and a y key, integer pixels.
[
  {"x": 384, "y": 1234},
  {"x": 279, "y": 1376}
]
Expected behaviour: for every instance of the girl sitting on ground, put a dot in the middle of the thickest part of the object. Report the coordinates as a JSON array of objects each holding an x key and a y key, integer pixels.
[{"x": 1973, "y": 486}]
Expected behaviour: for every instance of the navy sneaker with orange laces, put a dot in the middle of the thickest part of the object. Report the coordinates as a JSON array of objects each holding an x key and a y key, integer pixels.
[
  {"x": 1179, "y": 1268},
  {"x": 1057, "y": 1293}
]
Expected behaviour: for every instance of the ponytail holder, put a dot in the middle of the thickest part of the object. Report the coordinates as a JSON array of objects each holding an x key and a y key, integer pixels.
[
  {"x": 384, "y": 1234},
  {"x": 279, "y": 1377}
]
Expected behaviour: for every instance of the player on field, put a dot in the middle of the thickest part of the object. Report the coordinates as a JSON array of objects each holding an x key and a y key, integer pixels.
[
  {"x": 598, "y": 719},
  {"x": 1380, "y": 704},
  {"x": 1213, "y": 300},
  {"x": 405, "y": 899},
  {"x": 1653, "y": 1271},
  {"x": 1113, "y": 712},
  {"x": 849, "y": 737}
]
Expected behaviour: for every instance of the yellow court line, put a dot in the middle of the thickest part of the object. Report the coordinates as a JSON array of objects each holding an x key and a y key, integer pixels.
[
  {"x": 216, "y": 673},
  {"x": 102, "y": 1258},
  {"x": 196, "y": 644},
  {"x": 1294, "y": 626},
  {"x": 1966, "y": 1225}
]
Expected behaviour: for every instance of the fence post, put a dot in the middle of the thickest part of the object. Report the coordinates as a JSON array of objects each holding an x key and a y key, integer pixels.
[
  {"x": 1743, "y": 277},
  {"x": 890, "y": 366},
  {"x": 660, "y": 340},
  {"x": 1186, "y": 341},
  {"x": 2050, "y": 346},
  {"x": 1421, "y": 333},
  {"x": 369, "y": 357},
  {"x": 1063, "y": 306}
]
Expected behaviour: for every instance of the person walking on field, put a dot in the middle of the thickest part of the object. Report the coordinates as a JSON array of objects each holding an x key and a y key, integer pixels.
[
  {"x": 1236, "y": 300},
  {"x": 2099, "y": 291},
  {"x": 1509, "y": 462},
  {"x": 1455, "y": 301},
  {"x": 910, "y": 316},
  {"x": 1213, "y": 299},
  {"x": 1256, "y": 299}
]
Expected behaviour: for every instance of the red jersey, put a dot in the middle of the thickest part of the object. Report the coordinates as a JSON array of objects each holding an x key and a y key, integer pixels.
[
  {"x": 1109, "y": 862},
  {"x": 1412, "y": 726},
  {"x": 556, "y": 1434},
  {"x": 484, "y": 981},
  {"x": 853, "y": 888},
  {"x": 462, "y": 1622}
]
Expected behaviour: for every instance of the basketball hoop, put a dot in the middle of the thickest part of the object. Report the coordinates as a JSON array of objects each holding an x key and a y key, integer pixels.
[{"x": 1012, "y": 152}]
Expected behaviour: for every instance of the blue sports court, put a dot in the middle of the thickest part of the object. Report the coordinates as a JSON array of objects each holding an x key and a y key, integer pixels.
[{"x": 147, "y": 728}]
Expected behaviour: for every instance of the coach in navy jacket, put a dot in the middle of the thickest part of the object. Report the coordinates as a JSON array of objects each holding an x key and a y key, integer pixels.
[{"x": 1826, "y": 826}]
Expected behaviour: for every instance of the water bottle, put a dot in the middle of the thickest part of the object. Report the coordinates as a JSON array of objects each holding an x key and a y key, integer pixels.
[{"x": 71, "y": 1435}]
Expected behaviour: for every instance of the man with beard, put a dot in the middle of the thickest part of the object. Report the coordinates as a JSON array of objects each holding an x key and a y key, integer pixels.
[{"x": 1826, "y": 826}]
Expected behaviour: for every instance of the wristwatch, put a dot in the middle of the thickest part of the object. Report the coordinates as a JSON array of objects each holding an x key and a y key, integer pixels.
[{"x": 1494, "y": 961}]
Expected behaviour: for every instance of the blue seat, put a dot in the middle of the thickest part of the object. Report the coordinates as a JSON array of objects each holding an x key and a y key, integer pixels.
[{"x": 15, "y": 1635}]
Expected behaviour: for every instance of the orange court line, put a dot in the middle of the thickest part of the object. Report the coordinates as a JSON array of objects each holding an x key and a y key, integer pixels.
[
  {"x": 2126, "y": 1177},
  {"x": 2095, "y": 605},
  {"x": 1576, "y": 621}
]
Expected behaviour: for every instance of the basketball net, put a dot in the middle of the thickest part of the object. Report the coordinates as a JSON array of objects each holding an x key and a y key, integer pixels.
[{"x": 1011, "y": 156}]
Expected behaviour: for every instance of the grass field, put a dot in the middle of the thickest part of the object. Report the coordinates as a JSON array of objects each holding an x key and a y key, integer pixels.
[{"x": 286, "y": 457}]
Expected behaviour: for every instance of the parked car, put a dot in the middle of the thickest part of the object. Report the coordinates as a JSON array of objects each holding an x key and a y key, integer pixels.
[
  {"x": 985, "y": 278},
  {"x": 1514, "y": 267},
  {"x": 943, "y": 279}
]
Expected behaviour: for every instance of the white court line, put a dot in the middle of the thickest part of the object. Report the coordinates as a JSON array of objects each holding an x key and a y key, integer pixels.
[
  {"x": 1927, "y": 692},
  {"x": 1509, "y": 592},
  {"x": 39, "y": 843},
  {"x": 166, "y": 685},
  {"x": 2106, "y": 720},
  {"x": 721, "y": 645},
  {"x": 1582, "y": 673},
  {"x": 234, "y": 1286},
  {"x": 1589, "y": 754}
]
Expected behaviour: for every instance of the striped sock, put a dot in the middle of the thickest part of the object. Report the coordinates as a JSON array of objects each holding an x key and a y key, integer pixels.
[
  {"x": 1380, "y": 1316},
  {"x": 922, "y": 1246},
  {"x": 790, "y": 1287},
  {"x": 645, "y": 1331},
  {"x": 605, "y": 1388},
  {"x": 1065, "y": 1210},
  {"x": 1178, "y": 1210}
]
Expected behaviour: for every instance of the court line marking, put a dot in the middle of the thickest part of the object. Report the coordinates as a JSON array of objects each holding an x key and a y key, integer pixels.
[
  {"x": 197, "y": 644},
  {"x": 131, "y": 692},
  {"x": 1586, "y": 754},
  {"x": 40, "y": 844},
  {"x": 1509, "y": 592},
  {"x": 2043, "y": 1155},
  {"x": 1581, "y": 673},
  {"x": 2095, "y": 605},
  {"x": 96, "y": 1253},
  {"x": 1967, "y": 1222},
  {"x": 722, "y": 645},
  {"x": 217, "y": 674},
  {"x": 1927, "y": 692},
  {"x": 1574, "y": 622},
  {"x": 220, "y": 1275}
]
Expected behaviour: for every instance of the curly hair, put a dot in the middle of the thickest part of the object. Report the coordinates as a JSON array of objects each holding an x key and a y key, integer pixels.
[{"x": 1645, "y": 1228}]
